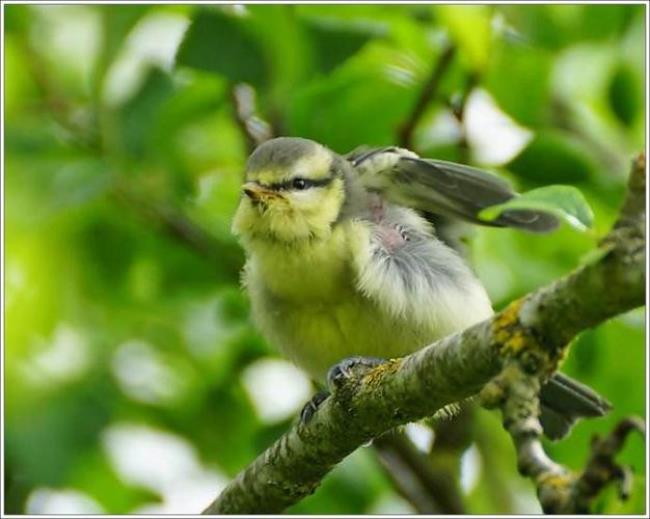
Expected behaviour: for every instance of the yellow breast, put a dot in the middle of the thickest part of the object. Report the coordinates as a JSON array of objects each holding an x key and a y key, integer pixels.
[{"x": 310, "y": 271}]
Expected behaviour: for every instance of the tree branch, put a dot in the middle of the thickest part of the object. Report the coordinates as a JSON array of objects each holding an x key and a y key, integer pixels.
[
  {"x": 601, "y": 468},
  {"x": 516, "y": 389},
  {"x": 458, "y": 104},
  {"x": 535, "y": 330},
  {"x": 177, "y": 225},
  {"x": 405, "y": 133},
  {"x": 430, "y": 488},
  {"x": 558, "y": 489},
  {"x": 254, "y": 129}
]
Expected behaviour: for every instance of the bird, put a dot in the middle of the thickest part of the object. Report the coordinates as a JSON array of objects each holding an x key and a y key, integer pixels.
[{"x": 344, "y": 265}]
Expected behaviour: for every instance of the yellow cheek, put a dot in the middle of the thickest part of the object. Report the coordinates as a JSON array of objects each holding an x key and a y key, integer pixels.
[
  {"x": 278, "y": 221},
  {"x": 325, "y": 210},
  {"x": 326, "y": 213},
  {"x": 291, "y": 219},
  {"x": 244, "y": 219}
]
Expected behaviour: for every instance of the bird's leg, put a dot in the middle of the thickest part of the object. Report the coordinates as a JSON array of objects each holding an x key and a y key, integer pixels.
[
  {"x": 312, "y": 406},
  {"x": 347, "y": 369},
  {"x": 336, "y": 376}
]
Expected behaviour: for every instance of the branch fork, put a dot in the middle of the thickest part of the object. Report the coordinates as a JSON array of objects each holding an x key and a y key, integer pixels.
[{"x": 559, "y": 490}]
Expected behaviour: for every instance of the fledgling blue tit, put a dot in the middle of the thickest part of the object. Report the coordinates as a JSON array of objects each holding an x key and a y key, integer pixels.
[{"x": 341, "y": 263}]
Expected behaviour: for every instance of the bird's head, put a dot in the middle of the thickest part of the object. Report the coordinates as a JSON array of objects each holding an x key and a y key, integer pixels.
[{"x": 294, "y": 191}]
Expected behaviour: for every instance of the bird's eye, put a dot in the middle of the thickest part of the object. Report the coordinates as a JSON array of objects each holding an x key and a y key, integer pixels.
[{"x": 299, "y": 184}]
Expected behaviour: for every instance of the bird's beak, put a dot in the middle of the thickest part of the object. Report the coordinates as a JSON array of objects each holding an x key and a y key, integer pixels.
[{"x": 258, "y": 193}]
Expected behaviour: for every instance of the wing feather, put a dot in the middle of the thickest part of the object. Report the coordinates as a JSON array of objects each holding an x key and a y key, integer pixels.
[
  {"x": 403, "y": 268},
  {"x": 446, "y": 188}
]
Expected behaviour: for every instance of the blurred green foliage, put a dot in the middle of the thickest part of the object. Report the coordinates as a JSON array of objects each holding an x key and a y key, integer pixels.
[{"x": 123, "y": 159}]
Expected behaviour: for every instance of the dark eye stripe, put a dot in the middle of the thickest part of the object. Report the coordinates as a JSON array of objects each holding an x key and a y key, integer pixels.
[{"x": 288, "y": 185}]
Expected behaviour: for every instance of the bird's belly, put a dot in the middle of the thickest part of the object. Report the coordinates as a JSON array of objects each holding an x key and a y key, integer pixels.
[
  {"x": 314, "y": 307},
  {"x": 316, "y": 337}
]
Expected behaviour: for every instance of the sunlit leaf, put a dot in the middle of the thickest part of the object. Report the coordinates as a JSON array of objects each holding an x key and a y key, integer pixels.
[
  {"x": 600, "y": 22},
  {"x": 470, "y": 28},
  {"x": 289, "y": 60},
  {"x": 21, "y": 90}
]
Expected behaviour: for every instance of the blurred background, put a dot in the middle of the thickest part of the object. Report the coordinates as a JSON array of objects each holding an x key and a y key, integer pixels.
[{"x": 134, "y": 380}]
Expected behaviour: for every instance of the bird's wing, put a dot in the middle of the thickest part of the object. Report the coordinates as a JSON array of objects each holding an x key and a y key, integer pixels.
[
  {"x": 411, "y": 276},
  {"x": 447, "y": 188}
]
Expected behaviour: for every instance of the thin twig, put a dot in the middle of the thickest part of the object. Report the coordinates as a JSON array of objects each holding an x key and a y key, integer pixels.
[
  {"x": 429, "y": 90},
  {"x": 180, "y": 227},
  {"x": 563, "y": 116},
  {"x": 82, "y": 131},
  {"x": 431, "y": 489},
  {"x": 253, "y": 128},
  {"x": 406, "y": 481},
  {"x": 517, "y": 393},
  {"x": 602, "y": 468},
  {"x": 458, "y": 106}
]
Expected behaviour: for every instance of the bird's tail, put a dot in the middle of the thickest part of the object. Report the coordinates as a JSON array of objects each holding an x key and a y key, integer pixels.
[{"x": 563, "y": 401}]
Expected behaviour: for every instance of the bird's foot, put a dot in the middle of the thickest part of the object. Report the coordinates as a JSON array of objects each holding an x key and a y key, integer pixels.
[
  {"x": 349, "y": 368},
  {"x": 336, "y": 377},
  {"x": 312, "y": 406}
]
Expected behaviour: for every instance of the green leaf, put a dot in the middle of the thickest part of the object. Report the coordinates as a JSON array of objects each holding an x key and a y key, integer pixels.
[
  {"x": 359, "y": 102},
  {"x": 334, "y": 41},
  {"x": 519, "y": 81},
  {"x": 556, "y": 26},
  {"x": 94, "y": 475},
  {"x": 142, "y": 111},
  {"x": 537, "y": 25},
  {"x": 602, "y": 22},
  {"x": 196, "y": 99},
  {"x": 288, "y": 58},
  {"x": 116, "y": 25},
  {"x": 553, "y": 156},
  {"x": 20, "y": 89},
  {"x": 17, "y": 18},
  {"x": 224, "y": 44},
  {"x": 625, "y": 94},
  {"x": 565, "y": 202},
  {"x": 309, "y": 46},
  {"x": 470, "y": 28}
]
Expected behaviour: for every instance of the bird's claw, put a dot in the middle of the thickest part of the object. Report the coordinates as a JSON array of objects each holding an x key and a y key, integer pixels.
[
  {"x": 312, "y": 406},
  {"x": 348, "y": 368},
  {"x": 336, "y": 377}
]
